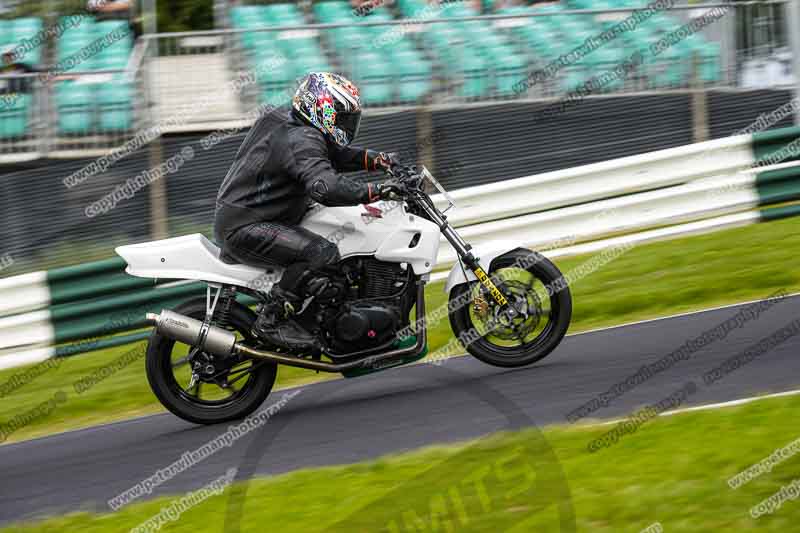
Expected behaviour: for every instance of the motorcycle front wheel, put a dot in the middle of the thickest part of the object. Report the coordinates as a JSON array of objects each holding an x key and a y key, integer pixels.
[{"x": 539, "y": 292}]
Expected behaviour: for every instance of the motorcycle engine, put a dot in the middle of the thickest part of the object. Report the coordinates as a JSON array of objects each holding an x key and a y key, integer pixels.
[
  {"x": 364, "y": 324},
  {"x": 377, "y": 305}
]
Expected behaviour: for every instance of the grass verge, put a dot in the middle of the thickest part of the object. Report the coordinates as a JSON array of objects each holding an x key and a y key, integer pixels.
[
  {"x": 649, "y": 281},
  {"x": 667, "y": 472}
]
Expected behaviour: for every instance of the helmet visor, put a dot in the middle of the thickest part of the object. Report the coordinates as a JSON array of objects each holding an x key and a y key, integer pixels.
[{"x": 349, "y": 123}]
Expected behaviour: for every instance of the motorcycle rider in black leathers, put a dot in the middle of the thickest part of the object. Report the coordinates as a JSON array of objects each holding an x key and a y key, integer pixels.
[{"x": 287, "y": 159}]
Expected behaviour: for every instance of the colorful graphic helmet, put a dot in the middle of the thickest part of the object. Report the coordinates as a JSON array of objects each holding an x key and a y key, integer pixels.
[{"x": 331, "y": 103}]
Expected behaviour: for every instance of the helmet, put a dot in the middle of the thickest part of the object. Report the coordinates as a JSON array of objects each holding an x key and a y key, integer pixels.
[{"x": 330, "y": 103}]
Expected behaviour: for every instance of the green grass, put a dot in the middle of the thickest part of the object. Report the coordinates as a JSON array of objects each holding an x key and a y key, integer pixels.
[
  {"x": 669, "y": 471},
  {"x": 650, "y": 280}
]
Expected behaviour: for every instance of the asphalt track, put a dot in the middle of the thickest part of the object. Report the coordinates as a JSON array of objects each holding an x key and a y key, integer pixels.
[{"x": 345, "y": 421}]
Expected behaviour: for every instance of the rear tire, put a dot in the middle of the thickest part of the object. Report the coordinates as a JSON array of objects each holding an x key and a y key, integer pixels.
[
  {"x": 161, "y": 373},
  {"x": 462, "y": 317}
]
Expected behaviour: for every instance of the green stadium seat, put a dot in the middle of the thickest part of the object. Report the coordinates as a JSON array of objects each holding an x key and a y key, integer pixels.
[
  {"x": 6, "y": 33},
  {"x": 276, "y": 80},
  {"x": 302, "y": 49},
  {"x": 414, "y": 78},
  {"x": 15, "y": 116},
  {"x": 77, "y": 36},
  {"x": 356, "y": 48},
  {"x": 330, "y": 10},
  {"x": 307, "y": 63},
  {"x": 27, "y": 28},
  {"x": 297, "y": 46},
  {"x": 672, "y": 69},
  {"x": 114, "y": 106},
  {"x": 374, "y": 77},
  {"x": 509, "y": 69},
  {"x": 257, "y": 40},
  {"x": 458, "y": 9},
  {"x": 711, "y": 67},
  {"x": 267, "y": 49},
  {"x": 74, "y": 39},
  {"x": 475, "y": 75},
  {"x": 253, "y": 24},
  {"x": 282, "y": 12},
  {"x": 593, "y": 65},
  {"x": 410, "y": 8},
  {"x": 247, "y": 16},
  {"x": 541, "y": 38},
  {"x": 282, "y": 15},
  {"x": 115, "y": 60},
  {"x": 112, "y": 57},
  {"x": 283, "y": 20},
  {"x": 74, "y": 102},
  {"x": 379, "y": 15}
]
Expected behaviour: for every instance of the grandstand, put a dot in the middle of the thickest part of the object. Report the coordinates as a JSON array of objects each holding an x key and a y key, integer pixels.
[
  {"x": 478, "y": 59},
  {"x": 402, "y": 53},
  {"x": 16, "y": 115},
  {"x": 101, "y": 103},
  {"x": 76, "y": 92}
]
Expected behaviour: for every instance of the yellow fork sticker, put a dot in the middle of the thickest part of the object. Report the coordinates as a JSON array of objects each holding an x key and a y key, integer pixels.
[{"x": 486, "y": 282}]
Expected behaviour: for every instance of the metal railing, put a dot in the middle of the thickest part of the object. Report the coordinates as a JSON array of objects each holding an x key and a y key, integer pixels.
[
  {"x": 24, "y": 116},
  {"x": 763, "y": 50}
]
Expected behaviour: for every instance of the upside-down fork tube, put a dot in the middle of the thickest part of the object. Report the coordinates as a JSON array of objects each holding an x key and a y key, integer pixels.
[{"x": 323, "y": 366}]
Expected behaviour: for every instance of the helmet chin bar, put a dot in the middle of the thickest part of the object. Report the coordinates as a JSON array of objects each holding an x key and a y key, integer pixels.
[
  {"x": 349, "y": 124},
  {"x": 327, "y": 133}
]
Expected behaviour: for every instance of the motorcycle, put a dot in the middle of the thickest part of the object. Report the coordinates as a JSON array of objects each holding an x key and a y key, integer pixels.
[{"x": 508, "y": 306}]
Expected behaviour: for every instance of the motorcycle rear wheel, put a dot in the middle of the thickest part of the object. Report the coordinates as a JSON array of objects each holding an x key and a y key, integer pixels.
[
  {"x": 169, "y": 362},
  {"x": 536, "y": 287}
]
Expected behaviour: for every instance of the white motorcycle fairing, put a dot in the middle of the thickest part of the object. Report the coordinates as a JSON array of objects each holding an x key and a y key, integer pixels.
[{"x": 385, "y": 230}]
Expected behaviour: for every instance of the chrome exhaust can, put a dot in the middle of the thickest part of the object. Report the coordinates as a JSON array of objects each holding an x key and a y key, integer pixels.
[{"x": 191, "y": 331}]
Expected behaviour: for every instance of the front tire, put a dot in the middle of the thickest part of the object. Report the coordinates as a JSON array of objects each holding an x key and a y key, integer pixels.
[
  {"x": 169, "y": 367},
  {"x": 537, "y": 287}
]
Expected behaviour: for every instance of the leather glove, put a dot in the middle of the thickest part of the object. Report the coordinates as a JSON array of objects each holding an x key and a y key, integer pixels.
[
  {"x": 391, "y": 190},
  {"x": 383, "y": 160}
]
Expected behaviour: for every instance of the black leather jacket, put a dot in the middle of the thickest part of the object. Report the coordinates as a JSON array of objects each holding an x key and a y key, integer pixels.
[{"x": 281, "y": 164}]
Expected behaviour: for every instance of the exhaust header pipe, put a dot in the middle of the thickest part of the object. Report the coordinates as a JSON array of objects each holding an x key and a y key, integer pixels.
[{"x": 221, "y": 342}]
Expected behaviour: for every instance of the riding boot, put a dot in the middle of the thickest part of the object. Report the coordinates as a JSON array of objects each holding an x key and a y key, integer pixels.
[{"x": 276, "y": 325}]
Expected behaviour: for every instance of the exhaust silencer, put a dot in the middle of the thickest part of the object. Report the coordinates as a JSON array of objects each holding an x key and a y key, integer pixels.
[{"x": 190, "y": 331}]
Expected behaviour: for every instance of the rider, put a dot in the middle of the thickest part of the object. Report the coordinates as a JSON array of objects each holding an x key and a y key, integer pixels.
[{"x": 286, "y": 160}]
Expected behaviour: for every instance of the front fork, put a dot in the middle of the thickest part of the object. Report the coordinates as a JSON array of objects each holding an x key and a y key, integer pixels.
[{"x": 464, "y": 251}]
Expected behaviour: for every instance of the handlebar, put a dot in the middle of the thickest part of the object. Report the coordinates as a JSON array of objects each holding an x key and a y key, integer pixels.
[{"x": 407, "y": 175}]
